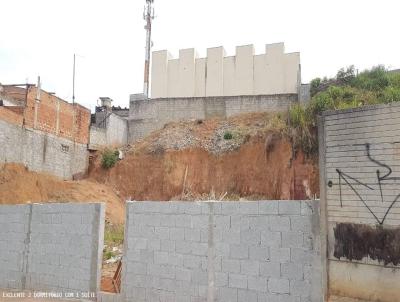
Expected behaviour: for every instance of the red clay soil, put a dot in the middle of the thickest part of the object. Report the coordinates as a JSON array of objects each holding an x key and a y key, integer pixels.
[
  {"x": 250, "y": 171},
  {"x": 19, "y": 186}
]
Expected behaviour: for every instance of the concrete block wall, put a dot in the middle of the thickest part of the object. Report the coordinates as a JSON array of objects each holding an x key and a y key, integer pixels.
[
  {"x": 360, "y": 176},
  {"x": 42, "y": 152},
  {"x": 115, "y": 133},
  {"x": 222, "y": 251},
  {"x": 51, "y": 247},
  {"x": 149, "y": 115},
  {"x": 274, "y": 72}
]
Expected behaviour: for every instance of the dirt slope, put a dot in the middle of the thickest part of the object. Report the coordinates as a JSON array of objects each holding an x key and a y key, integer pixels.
[
  {"x": 18, "y": 185},
  {"x": 189, "y": 160}
]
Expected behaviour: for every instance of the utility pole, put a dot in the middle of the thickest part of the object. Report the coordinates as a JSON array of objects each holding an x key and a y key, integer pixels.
[
  {"x": 73, "y": 82},
  {"x": 148, "y": 16}
]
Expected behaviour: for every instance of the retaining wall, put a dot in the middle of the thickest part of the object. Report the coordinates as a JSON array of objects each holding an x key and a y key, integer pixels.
[
  {"x": 51, "y": 247},
  {"x": 42, "y": 152},
  {"x": 146, "y": 116},
  {"x": 360, "y": 175},
  {"x": 222, "y": 251}
]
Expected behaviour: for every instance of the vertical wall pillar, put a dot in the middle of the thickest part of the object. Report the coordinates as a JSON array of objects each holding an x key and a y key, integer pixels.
[
  {"x": 187, "y": 72},
  {"x": 159, "y": 72},
  {"x": 215, "y": 71},
  {"x": 244, "y": 70},
  {"x": 323, "y": 208}
]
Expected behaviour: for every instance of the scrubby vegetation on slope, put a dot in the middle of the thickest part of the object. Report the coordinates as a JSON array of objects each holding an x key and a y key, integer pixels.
[{"x": 346, "y": 90}]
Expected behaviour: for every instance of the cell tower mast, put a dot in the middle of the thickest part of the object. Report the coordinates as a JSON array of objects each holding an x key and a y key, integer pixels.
[{"x": 148, "y": 16}]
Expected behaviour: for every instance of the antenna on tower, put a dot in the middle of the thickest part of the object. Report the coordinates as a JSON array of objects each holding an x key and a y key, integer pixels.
[{"x": 148, "y": 16}]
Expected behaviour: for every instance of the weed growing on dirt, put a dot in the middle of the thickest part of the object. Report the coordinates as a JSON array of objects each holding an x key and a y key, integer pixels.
[
  {"x": 228, "y": 135},
  {"x": 113, "y": 234},
  {"x": 109, "y": 158}
]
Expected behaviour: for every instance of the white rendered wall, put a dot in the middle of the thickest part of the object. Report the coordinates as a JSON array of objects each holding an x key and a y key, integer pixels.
[{"x": 274, "y": 72}]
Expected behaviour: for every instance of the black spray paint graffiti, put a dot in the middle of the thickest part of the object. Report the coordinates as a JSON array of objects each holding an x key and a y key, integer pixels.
[{"x": 381, "y": 176}]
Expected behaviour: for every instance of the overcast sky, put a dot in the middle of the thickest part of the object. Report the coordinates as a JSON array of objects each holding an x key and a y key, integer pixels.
[{"x": 40, "y": 37}]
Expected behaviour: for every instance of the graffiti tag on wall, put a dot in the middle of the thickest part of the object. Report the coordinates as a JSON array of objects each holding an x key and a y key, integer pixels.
[{"x": 383, "y": 176}]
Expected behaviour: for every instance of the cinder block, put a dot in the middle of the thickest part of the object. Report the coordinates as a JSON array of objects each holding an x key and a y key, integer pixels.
[
  {"x": 237, "y": 281},
  {"x": 230, "y": 208},
  {"x": 301, "y": 224},
  {"x": 167, "y": 245},
  {"x": 176, "y": 234},
  {"x": 162, "y": 233},
  {"x": 192, "y": 234},
  {"x": 258, "y": 283},
  {"x": 221, "y": 279},
  {"x": 222, "y": 249},
  {"x": 200, "y": 222},
  {"x": 167, "y": 220},
  {"x": 291, "y": 207},
  {"x": 303, "y": 256},
  {"x": 227, "y": 294},
  {"x": 278, "y": 286},
  {"x": 154, "y": 244},
  {"x": 292, "y": 239},
  {"x": 279, "y": 223},
  {"x": 250, "y": 268},
  {"x": 222, "y": 222},
  {"x": 161, "y": 257},
  {"x": 231, "y": 236},
  {"x": 268, "y": 207},
  {"x": 300, "y": 288},
  {"x": 250, "y": 237},
  {"x": 240, "y": 222},
  {"x": 183, "y": 221},
  {"x": 259, "y": 253},
  {"x": 230, "y": 266},
  {"x": 239, "y": 251},
  {"x": 269, "y": 238},
  {"x": 259, "y": 223},
  {"x": 183, "y": 274},
  {"x": 280, "y": 255},
  {"x": 191, "y": 261},
  {"x": 270, "y": 269},
  {"x": 200, "y": 249},
  {"x": 307, "y": 208},
  {"x": 249, "y": 208},
  {"x": 199, "y": 277},
  {"x": 247, "y": 296},
  {"x": 292, "y": 271}
]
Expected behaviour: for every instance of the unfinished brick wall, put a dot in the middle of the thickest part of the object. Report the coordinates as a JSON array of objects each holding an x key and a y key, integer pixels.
[
  {"x": 56, "y": 116},
  {"x": 10, "y": 116}
]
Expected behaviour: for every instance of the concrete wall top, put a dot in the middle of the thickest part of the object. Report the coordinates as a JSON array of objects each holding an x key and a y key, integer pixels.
[{"x": 274, "y": 72}]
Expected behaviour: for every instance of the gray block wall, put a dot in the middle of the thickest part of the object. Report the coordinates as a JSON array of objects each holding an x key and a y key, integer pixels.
[
  {"x": 361, "y": 144},
  {"x": 42, "y": 152},
  {"x": 222, "y": 251},
  {"x": 148, "y": 115},
  {"x": 51, "y": 247}
]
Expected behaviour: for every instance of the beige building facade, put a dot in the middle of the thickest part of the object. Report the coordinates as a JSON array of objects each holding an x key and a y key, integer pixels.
[{"x": 274, "y": 72}]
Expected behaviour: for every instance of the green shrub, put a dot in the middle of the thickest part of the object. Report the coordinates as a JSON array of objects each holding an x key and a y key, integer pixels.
[
  {"x": 109, "y": 158},
  {"x": 391, "y": 94},
  {"x": 108, "y": 255},
  {"x": 228, "y": 135},
  {"x": 375, "y": 79}
]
